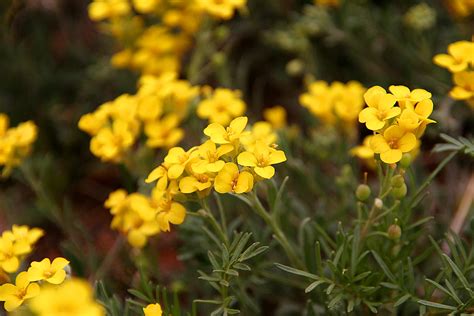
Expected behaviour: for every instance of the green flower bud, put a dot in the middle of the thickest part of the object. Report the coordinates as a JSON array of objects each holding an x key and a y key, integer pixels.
[
  {"x": 363, "y": 192},
  {"x": 406, "y": 160},
  {"x": 399, "y": 192},
  {"x": 394, "y": 232},
  {"x": 397, "y": 181}
]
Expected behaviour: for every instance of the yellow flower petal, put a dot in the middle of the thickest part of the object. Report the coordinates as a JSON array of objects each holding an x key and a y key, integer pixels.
[
  {"x": 265, "y": 172},
  {"x": 247, "y": 159},
  {"x": 391, "y": 156}
]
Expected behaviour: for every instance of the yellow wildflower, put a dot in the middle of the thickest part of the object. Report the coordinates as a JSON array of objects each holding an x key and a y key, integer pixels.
[
  {"x": 111, "y": 143},
  {"x": 222, "y": 106},
  {"x": 407, "y": 98},
  {"x": 464, "y": 89},
  {"x": 178, "y": 160},
  {"x": 200, "y": 182},
  {"x": 15, "y": 294},
  {"x": 364, "y": 151},
  {"x": 24, "y": 234},
  {"x": 261, "y": 160},
  {"x": 169, "y": 211},
  {"x": 460, "y": 56},
  {"x": 72, "y": 298},
  {"x": 230, "y": 179},
  {"x": 209, "y": 157},
  {"x": 380, "y": 108},
  {"x": 51, "y": 272},
  {"x": 146, "y": 6},
  {"x": 11, "y": 252},
  {"x": 153, "y": 310},
  {"x": 230, "y": 135},
  {"x": 393, "y": 143},
  {"x": 164, "y": 133}
]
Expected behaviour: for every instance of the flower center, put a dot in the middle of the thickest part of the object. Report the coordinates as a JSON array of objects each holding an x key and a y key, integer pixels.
[{"x": 393, "y": 143}]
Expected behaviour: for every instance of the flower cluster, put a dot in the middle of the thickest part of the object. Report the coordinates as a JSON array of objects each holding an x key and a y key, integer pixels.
[
  {"x": 15, "y": 143},
  {"x": 460, "y": 62},
  {"x": 157, "y": 109},
  {"x": 398, "y": 119},
  {"x": 334, "y": 103},
  {"x": 230, "y": 161},
  {"x": 221, "y": 106},
  {"x": 15, "y": 245}
]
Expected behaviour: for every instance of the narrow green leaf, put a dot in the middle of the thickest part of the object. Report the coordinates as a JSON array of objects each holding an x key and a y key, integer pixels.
[
  {"x": 297, "y": 272},
  {"x": 436, "y": 305},
  {"x": 384, "y": 267},
  {"x": 313, "y": 285},
  {"x": 402, "y": 300},
  {"x": 458, "y": 273}
]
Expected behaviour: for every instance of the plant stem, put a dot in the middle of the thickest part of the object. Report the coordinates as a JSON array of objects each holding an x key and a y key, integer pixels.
[
  {"x": 278, "y": 233},
  {"x": 212, "y": 220}
]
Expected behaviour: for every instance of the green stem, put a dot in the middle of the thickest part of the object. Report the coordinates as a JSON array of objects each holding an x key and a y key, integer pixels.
[
  {"x": 279, "y": 235},
  {"x": 413, "y": 200},
  {"x": 212, "y": 220}
]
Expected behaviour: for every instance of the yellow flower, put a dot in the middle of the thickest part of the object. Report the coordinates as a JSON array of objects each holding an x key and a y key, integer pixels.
[
  {"x": 169, "y": 211},
  {"x": 51, "y": 272},
  {"x": 104, "y": 9},
  {"x": 364, "y": 151},
  {"x": 407, "y": 98},
  {"x": 461, "y": 54},
  {"x": 72, "y": 298},
  {"x": 263, "y": 133},
  {"x": 15, "y": 294},
  {"x": 223, "y": 9},
  {"x": 229, "y": 179},
  {"x": 164, "y": 133},
  {"x": 393, "y": 143},
  {"x": 209, "y": 157},
  {"x": 380, "y": 108},
  {"x": 276, "y": 116},
  {"x": 221, "y": 107},
  {"x": 178, "y": 159},
  {"x": 10, "y": 252},
  {"x": 153, "y": 310},
  {"x": 23, "y": 233},
  {"x": 464, "y": 88},
  {"x": 111, "y": 143},
  {"x": 230, "y": 135},
  {"x": 196, "y": 182},
  {"x": 261, "y": 160}
]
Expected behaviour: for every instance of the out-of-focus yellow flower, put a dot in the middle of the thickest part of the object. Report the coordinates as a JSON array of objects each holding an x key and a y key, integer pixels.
[
  {"x": 111, "y": 143},
  {"x": 23, "y": 233},
  {"x": 51, "y": 272},
  {"x": 364, "y": 151},
  {"x": 393, "y": 143},
  {"x": 464, "y": 89},
  {"x": 461, "y": 8},
  {"x": 261, "y": 160},
  {"x": 221, "y": 107},
  {"x": 15, "y": 143},
  {"x": 230, "y": 135},
  {"x": 72, "y": 298},
  {"x": 460, "y": 56},
  {"x": 327, "y": 3},
  {"x": 334, "y": 103},
  {"x": 153, "y": 310},
  {"x": 146, "y": 6},
  {"x": 107, "y": 9},
  {"x": 164, "y": 133},
  {"x": 380, "y": 108},
  {"x": 222, "y": 9},
  {"x": 230, "y": 179},
  {"x": 15, "y": 294},
  {"x": 262, "y": 133},
  {"x": 276, "y": 116}
]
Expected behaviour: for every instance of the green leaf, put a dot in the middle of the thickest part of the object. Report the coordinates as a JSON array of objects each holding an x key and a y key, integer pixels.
[
  {"x": 384, "y": 267},
  {"x": 314, "y": 285},
  {"x": 458, "y": 273},
  {"x": 297, "y": 271},
  {"x": 402, "y": 300},
  {"x": 437, "y": 305}
]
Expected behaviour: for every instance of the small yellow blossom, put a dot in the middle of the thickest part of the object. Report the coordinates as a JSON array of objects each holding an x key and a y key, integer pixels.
[
  {"x": 364, "y": 151},
  {"x": 380, "y": 108},
  {"x": 11, "y": 252},
  {"x": 209, "y": 157},
  {"x": 393, "y": 143},
  {"x": 169, "y": 211},
  {"x": 407, "y": 98},
  {"x": 221, "y": 107},
  {"x": 196, "y": 182},
  {"x": 153, "y": 310},
  {"x": 464, "y": 89},
  {"x": 178, "y": 159},
  {"x": 230, "y": 179},
  {"x": 261, "y": 160},
  {"x": 164, "y": 133},
  {"x": 15, "y": 294},
  {"x": 111, "y": 143},
  {"x": 51, "y": 272},
  {"x": 146, "y": 6},
  {"x": 460, "y": 56},
  {"x": 230, "y": 135},
  {"x": 276, "y": 116},
  {"x": 72, "y": 298}
]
